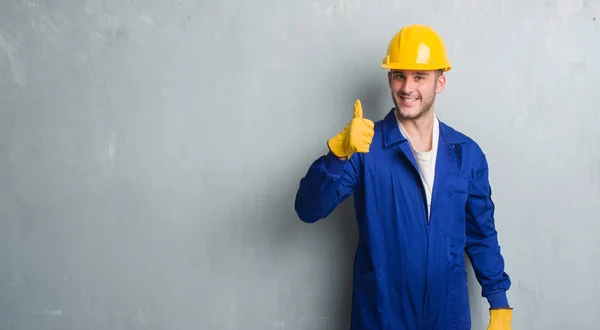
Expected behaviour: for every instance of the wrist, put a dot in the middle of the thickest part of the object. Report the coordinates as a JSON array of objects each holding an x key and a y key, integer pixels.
[
  {"x": 336, "y": 147},
  {"x": 333, "y": 164},
  {"x": 498, "y": 300}
]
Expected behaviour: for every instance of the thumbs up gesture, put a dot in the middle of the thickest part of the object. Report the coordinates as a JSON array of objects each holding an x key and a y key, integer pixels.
[{"x": 355, "y": 137}]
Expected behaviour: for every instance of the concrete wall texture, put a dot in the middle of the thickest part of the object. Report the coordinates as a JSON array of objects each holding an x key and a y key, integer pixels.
[{"x": 150, "y": 152}]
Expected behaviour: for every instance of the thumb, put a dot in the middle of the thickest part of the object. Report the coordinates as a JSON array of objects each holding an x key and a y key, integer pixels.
[{"x": 358, "y": 111}]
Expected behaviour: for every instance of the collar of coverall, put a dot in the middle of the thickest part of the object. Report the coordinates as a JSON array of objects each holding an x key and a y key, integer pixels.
[{"x": 392, "y": 135}]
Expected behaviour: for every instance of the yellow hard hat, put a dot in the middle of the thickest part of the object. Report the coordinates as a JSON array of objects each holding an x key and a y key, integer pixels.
[{"x": 416, "y": 47}]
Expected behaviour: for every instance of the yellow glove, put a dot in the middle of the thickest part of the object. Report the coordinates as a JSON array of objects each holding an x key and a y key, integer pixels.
[
  {"x": 500, "y": 319},
  {"x": 355, "y": 137}
]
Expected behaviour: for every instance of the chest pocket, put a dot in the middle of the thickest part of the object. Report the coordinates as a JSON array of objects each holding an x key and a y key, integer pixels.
[{"x": 454, "y": 193}]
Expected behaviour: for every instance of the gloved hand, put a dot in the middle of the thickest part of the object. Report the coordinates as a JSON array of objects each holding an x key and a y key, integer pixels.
[
  {"x": 355, "y": 137},
  {"x": 500, "y": 319}
]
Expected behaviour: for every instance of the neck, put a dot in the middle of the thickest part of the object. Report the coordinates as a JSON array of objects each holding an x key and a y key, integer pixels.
[{"x": 420, "y": 130}]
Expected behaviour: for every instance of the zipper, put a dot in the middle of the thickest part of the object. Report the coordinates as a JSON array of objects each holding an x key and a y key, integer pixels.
[
  {"x": 425, "y": 217},
  {"x": 427, "y": 220}
]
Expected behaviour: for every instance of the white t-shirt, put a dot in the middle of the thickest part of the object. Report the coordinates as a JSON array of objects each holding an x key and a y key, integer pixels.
[{"x": 426, "y": 160}]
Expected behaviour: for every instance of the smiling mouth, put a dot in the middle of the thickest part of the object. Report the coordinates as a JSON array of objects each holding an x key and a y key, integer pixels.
[{"x": 408, "y": 100}]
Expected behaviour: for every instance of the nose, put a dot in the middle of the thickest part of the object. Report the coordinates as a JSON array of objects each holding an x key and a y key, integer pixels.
[{"x": 407, "y": 86}]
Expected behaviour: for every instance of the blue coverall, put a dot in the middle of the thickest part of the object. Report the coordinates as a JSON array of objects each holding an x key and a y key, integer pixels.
[{"x": 409, "y": 271}]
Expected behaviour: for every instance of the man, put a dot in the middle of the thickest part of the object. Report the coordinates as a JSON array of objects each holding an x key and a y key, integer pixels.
[{"x": 422, "y": 199}]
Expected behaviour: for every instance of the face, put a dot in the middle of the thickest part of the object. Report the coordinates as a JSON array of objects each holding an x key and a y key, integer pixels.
[{"x": 414, "y": 92}]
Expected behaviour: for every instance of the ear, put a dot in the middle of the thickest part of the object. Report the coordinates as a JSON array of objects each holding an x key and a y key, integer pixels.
[
  {"x": 441, "y": 83},
  {"x": 389, "y": 78}
]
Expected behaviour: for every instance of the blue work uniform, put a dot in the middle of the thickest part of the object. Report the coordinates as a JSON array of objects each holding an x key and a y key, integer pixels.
[{"x": 409, "y": 270}]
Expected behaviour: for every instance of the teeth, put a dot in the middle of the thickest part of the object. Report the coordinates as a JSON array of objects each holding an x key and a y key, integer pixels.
[{"x": 410, "y": 100}]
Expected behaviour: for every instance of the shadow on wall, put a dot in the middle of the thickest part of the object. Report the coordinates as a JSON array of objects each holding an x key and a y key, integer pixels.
[
  {"x": 475, "y": 299},
  {"x": 375, "y": 95},
  {"x": 339, "y": 229},
  {"x": 343, "y": 221},
  {"x": 331, "y": 241}
]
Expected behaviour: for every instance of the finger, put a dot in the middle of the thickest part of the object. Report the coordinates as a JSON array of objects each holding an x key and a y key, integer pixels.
[
  {"x": 369, "y": 123},
  {"x": 358, "y": 112},
  {"x": 363, "y": 147}
]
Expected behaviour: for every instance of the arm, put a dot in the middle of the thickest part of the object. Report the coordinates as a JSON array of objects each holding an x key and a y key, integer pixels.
[
  {"x": 482, "y": 240},
  {"x": 332, "y": 178},
  {"x": 327, "y": 183}
]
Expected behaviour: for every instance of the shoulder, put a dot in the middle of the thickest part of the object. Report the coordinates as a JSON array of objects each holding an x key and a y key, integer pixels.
[
  {"x": 379, "y": 129},
  {"x": 378, "y": 125}
]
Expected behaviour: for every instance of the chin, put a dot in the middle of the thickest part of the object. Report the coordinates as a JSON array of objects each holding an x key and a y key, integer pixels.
[{"x": 409, "y": 113}]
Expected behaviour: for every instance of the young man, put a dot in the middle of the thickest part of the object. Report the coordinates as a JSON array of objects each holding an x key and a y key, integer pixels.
[{"x": 422, "y": 199}]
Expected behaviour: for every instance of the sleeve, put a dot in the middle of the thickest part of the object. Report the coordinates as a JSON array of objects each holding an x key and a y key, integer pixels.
[
  {"x": 328, "y": 182},
  {"x": 482, "y": 240}
]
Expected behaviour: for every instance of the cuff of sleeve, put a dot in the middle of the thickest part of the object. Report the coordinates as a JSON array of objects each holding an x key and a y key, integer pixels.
[
  {"x": 498, "y": 300},
  {"x": 333, "y": 165}
]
